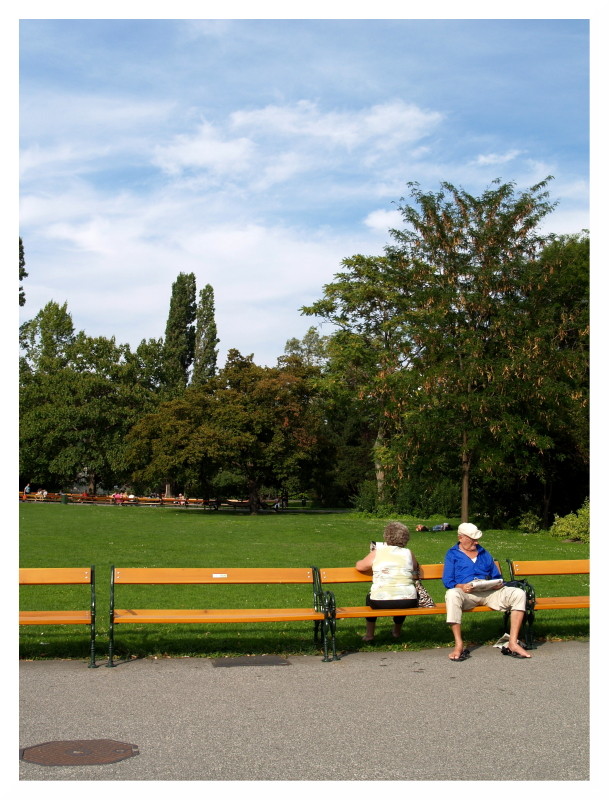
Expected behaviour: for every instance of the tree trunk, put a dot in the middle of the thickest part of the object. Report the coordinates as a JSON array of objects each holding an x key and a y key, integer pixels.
[
  {"x": 168, "y": 489},
  {"x": 466, "y": 460},
  {"x": 92, "y": 488},
  {"x": 379, "y": 468},
  {"x": 253, "y": 496},
  {"x": 547, "y": 495}
]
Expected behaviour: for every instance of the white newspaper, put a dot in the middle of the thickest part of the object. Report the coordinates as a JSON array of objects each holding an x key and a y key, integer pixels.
[{"x": 479, "y": 585}]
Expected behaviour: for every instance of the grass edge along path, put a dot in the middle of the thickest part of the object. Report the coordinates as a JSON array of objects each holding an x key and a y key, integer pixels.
[{"x": 75, "y": 535}]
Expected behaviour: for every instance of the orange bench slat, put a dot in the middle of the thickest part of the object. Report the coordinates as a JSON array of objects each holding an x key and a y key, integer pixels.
[
  {"x": 54, "y": 617},
  {"x": 228, "y": 575},
  {"x": 47, "y": 576},
  {"x": 214, "y": 615}
]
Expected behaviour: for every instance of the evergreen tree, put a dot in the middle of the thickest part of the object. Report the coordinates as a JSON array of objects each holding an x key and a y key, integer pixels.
[
  {"x": 206, "y": 339},
  {"x": 22, "y": 272},
  {"x": 179, "y": 345}
]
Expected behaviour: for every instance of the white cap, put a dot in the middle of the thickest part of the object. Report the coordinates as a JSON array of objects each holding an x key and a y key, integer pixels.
[{"x": 467, "y": 529}]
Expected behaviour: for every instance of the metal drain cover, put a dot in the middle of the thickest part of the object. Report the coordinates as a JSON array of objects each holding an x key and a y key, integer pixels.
[
  {"x": 73, "y": 753},
  {"x": 251, "y": 661}
]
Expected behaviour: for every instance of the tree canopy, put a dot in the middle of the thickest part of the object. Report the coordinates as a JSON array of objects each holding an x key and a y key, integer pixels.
[
  {"x": 454, "y": 379},
  {"x": 453, "y": 339}
]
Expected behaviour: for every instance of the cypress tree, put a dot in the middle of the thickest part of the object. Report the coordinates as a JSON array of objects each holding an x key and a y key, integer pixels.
[
  {"x": 179, "y": 346},
  {"x": 22, "y": 272},
  {"x": 206, "y": 339}
]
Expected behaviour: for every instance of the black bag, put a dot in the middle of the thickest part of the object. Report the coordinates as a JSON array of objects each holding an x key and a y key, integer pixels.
[
  {"x": 528, "y": 590},
  {"x": 529, "y": 614}
]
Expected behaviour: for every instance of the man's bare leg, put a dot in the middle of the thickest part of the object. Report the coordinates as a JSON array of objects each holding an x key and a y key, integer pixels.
[
  {"x": 458, "y": 650},
  {"x": 516, "y": 619}
]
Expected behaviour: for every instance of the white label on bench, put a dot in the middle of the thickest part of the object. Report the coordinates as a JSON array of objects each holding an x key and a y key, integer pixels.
[{"x": 219, "y": 574}]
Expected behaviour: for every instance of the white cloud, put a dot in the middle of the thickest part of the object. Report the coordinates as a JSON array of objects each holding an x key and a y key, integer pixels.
[
  {"x": 205, "y": 149},
  {"x": 385, "y": 125},
  {"x": 382, "y": 220},
  {"x": 120, "y": 284},
  {"x": 255, "y": 154},
  {"x": 497, "y": 158}
]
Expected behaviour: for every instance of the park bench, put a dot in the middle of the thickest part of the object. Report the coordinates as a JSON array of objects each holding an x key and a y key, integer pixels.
[
  {"x": 318, "y": 613},
  {"x": 61, "y": 576},
  {"x": 342, "y": 575},
  {"x": 527, "y": 569}
]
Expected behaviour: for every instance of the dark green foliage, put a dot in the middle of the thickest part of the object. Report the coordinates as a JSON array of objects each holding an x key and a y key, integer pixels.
[
  {"x": 206, "y": 338},
  {"x": 22, "y": 272},
  {"x": 455, "y": 381},
  {"x": 466, "y": 348},
  {"x": 179, "y": 345},
  {"x": 255, "y": 422},
  {"x": 79, "y": 396}
]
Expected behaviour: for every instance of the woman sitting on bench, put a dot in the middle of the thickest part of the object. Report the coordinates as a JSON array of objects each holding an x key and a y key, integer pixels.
[{"x": 392, "y": 565}]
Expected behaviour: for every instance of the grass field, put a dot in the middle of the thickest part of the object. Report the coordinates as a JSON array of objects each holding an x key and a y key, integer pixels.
[{"x": 74, "y": 535}]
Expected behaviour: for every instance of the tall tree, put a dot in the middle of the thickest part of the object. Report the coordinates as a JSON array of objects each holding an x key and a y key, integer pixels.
[
  {"x": 206, "y": 338},
  {"x": 471, "y": 265},
  {"x": 77, "y": 405},
  {"x": 22, "y": 272},
  {"x": 46, "y": 340},
  {"x": 179, "y": 345},
  {"x": 78, "y": 398},
  {"x": 449, "y": 338}
]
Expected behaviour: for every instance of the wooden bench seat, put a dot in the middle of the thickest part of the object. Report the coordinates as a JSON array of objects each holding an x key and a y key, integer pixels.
[
  {"x": 557, "y": 603},
  {"x": 340, "y": 575},
  {"x": 316, "y": 613},
  {"x": 61, "y": 576},
  {"x": 528, "y": 569}
]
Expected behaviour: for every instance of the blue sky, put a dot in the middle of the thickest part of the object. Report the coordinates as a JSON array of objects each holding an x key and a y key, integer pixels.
[{"x": 260, "y": 153}]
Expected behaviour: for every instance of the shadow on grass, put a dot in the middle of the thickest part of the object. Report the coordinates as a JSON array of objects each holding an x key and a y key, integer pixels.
[{"x": 285, "y": 639}]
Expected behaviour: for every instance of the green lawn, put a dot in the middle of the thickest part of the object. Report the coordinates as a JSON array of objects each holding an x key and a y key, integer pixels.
[{"x": 74, "y": 535}]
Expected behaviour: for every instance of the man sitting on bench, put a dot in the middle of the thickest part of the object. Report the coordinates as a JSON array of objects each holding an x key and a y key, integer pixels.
[{"x": 468, "y": 562}]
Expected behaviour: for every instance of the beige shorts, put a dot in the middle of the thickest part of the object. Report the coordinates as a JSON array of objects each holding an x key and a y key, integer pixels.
[{"x": 508, "y": 598}]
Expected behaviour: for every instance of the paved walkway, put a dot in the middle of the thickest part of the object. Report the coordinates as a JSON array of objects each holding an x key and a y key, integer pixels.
[{"x": 370, "y": 716}]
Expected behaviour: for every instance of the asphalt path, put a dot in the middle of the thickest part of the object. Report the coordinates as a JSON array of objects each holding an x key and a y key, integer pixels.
[{"x": 397, "y": 716}]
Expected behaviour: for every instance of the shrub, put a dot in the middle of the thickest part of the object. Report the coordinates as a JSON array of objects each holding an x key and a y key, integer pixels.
[
  {"x": 529, "y": 523},
  {"x": 366, "y": 498},
  {"x": 573, "y": 526}
]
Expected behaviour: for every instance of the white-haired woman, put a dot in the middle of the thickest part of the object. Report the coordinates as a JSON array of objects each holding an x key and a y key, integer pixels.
[{"x": 392, "y": 566}]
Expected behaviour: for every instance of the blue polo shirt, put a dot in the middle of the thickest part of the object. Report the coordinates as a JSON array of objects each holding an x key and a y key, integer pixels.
[{"x": 459, "y": 568}]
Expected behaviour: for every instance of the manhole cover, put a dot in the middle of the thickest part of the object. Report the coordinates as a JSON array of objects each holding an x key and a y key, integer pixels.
[
  {"x": 251, "y": 661},
  {"x": 88, "y": 751}
]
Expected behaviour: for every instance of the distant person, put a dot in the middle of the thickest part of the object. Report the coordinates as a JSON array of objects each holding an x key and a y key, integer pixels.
[
  {"x": 392, "y": 566},
  {"x": 26, "y": 492},
  {"x": 468, "y": 561}
]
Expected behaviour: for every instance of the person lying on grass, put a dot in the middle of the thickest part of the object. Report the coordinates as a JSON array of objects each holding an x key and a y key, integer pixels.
[
  {"x": 468, "y": 561},
  {"x": 392, "y": 565}
]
